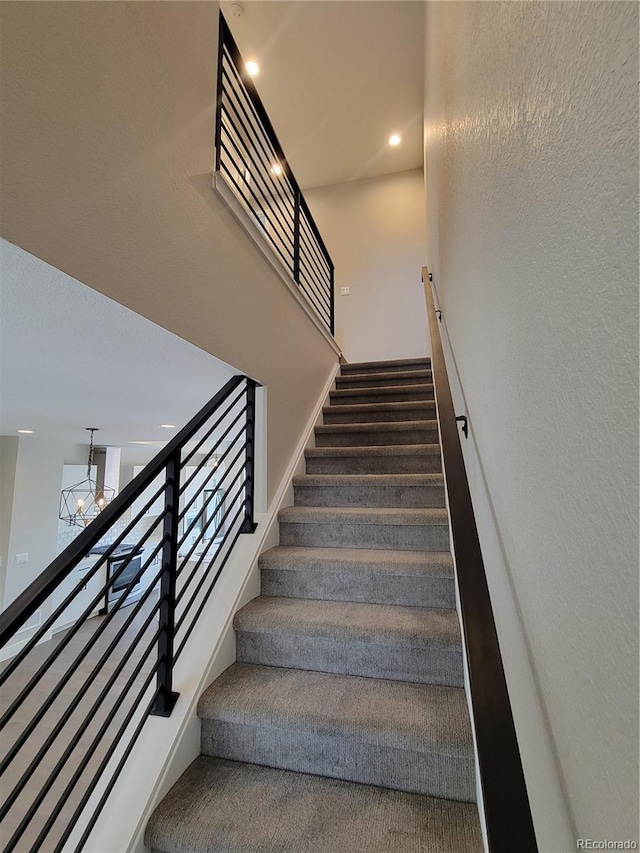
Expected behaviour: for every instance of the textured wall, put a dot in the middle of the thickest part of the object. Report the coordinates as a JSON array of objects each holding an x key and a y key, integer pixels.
[
  {"x": 531, "y": 159},
  {"x": 107, "y": 152},
  {"x": 374, "y": 230}
]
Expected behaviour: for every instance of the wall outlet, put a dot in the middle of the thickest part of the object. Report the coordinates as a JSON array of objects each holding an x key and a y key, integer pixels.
[
  {"x": 21, "y": 558},
  {"x": 345, "y": 291}
]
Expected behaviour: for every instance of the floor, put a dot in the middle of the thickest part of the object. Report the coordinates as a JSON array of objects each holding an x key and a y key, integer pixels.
[{"x": 88, "y": 733}]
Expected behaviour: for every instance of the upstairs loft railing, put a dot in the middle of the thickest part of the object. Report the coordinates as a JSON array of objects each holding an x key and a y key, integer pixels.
[
  {"x": 507, "y": 813},
  {"x": 74, "y": 705},
  {"x": 251, "y": 160}
]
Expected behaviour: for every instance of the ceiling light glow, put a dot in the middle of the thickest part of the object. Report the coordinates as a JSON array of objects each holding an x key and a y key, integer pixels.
[
  {"x": 25, "y": 431},
  {"x": 252, "y": 68},
  {"x": 168, "y": 426},
  {"x": 395, "y": 139}
]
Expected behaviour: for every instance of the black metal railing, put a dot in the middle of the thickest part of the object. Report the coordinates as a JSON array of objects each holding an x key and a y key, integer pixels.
[
  {"x": 114, "y": 625},
  {"x": 249, "y": 156},
  {"x": 507, "y": 812}
]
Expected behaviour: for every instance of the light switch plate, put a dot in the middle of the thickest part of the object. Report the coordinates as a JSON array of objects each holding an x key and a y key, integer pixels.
[
  {"x": 345, "y": 291},
  {"x": 21, "y": 558}
]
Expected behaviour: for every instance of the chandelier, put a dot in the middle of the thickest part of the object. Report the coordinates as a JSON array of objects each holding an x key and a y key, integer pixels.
[{"x": 81, "y": 503}]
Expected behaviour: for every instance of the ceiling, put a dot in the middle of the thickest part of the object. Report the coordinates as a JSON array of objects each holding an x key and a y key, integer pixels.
[
  {"x": 337, "y": 79},
  {"x": 71, "y": 358}
]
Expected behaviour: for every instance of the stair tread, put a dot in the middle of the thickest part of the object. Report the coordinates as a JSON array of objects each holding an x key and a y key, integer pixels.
[
  {"x": 231, "y": 807},
  {"x": 418, "y": 388},
  {"x": 359, "y": 408},
  {"x": 369, "y": 480},
  {"x": 384, "y": 624},
  {"x": 401, "y": 362},
  {"x": 293, "y": 558},
  {"x": 381, "y": 426},
  {"x": 372, "y": 376},
  {"x": 398, "y": 714},
  {"x": 362, "y": 515},
  {"x": 375, "y": 450}
]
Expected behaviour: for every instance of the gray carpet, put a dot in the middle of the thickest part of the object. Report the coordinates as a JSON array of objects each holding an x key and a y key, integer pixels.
[
  {"x": 243, "y": 808},
  {"x": 343, "y": 725}
]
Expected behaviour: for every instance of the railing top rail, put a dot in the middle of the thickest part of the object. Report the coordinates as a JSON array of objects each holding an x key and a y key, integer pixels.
[
  {"x": 504, "y": 792},
  {"x": 230, "y": 43},
  {"x": 39, "y": 589}
]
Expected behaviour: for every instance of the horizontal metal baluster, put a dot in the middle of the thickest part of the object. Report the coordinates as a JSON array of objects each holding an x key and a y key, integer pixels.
[
  {"x": 15, "y": 793},
  {"x": 110, "y": 785},
  {"x": 69, "y": 673},
  {"x": 208, "y": 501},
  {"x": 202, "y": 464},
  {"x": 312, "y": 294},
  {"x": 185, "y": 484},
  {"x": 321, "y": 285},
  {"x": 211, "y": 541},
  {"x": 17, "y": 660},
  {"x": 317, "y": 239},
  {"x": 237, "y": 89},
  {"x": 314, "y": 249},
  {"x": 321, "y": 276},
  {"x": 92, "y": 748},
  {"x": 260, "y": 165},
  {"x": 202, "y": 558},
  {"x": 203, "y": 603},
  {"x": 322, "y": 259},
  {"x": 262, "y": 203},
  {"x": 280, "y": 249},
  {"x": 321, "y": 279},
  {"x": 186, "y": 458}
]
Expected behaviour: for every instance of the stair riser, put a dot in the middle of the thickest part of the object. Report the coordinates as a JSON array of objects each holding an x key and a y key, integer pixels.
[
  {"x": 370, "y": 496},
  {"x": 397, "y": 395},
  {"x": 389, "y": 416},
  {"x": 427, "y": 464},
  {"x": 385, "y": 367},
  {"x": 325, "y": 754},
  {"x": 375, "y": 381},
  {"x": 403, "y": 537},
  {"x": 360, "y": 585},
  {"x": 424, "y": 665},
  {"x": 376, "y": 438}
]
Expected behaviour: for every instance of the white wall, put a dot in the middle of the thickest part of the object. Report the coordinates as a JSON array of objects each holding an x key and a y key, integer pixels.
[
  {"x": 107, "y": 143},
  {"x": 8, "y": 460},
  {"x": 34, "y": 510},
  {"x": 531, "y": 155},
  {"x": 374, "y": 231}
]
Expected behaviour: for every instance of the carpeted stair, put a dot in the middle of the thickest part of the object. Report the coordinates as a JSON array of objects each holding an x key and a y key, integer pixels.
[{"x": 343, "y": 725}]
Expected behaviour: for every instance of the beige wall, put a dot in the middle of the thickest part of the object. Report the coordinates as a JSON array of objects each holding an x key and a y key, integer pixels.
[
  {"x": 374, "y": 231},
  {"x": 107, "y": 134},
  {"x": 531, "y": 153}
]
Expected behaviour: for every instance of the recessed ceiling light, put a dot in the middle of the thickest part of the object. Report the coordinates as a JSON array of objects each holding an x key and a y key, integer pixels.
[
  {"x": 395, "y": 139},
  {"x": 25, "y": 431},
  {"x": 252, "y": 67},
  {"x": 276, "y": 169}
]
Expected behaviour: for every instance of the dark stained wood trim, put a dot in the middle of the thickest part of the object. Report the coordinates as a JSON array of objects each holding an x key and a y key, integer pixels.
[{"x": 504, "y": 792}]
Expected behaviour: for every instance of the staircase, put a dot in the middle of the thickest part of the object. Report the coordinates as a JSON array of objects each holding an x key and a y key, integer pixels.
[{"x": 343, "y": 726}]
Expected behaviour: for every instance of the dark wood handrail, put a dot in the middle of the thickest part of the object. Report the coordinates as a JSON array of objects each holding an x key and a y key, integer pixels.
[
  {"x": 41, "y": 588},
  {"x": 507, "y": 811}
]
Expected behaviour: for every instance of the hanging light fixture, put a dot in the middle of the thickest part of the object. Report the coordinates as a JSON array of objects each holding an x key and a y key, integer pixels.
[{"x": 81, "y": 503}]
